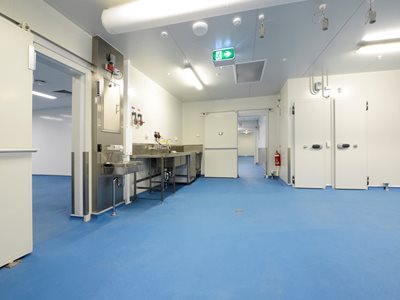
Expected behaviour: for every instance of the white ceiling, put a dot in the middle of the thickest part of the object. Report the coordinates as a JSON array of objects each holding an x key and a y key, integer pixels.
[
  {"x": 291, "y": 33},
  {"x": 57, "y": 77}
]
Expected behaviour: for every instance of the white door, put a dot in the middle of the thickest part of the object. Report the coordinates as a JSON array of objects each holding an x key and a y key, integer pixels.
[
  {"x": 311, "y": 137},
  {"x": 220, "y": 145},
  {"x": 15, "y": 143},
  {"x": 350, "y": 144}
]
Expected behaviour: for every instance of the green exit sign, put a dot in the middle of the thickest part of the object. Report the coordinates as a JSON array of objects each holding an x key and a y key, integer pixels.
[{"x": 224, "y": 54}]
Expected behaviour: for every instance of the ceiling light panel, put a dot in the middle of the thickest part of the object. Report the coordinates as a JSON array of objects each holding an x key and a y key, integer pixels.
[
  {"x": 146, "y": 14},
  {"x": 192, "y": 78},
  {"x": 381, "y": 48},
  {"x": 43, "y": 95},
  {"x": 383, "y": 35}
]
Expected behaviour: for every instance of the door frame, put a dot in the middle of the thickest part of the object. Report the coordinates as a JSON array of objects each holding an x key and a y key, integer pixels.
[{"x": 81, "y": 126}]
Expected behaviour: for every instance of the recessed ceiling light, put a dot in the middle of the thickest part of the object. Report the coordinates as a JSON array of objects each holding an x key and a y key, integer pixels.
[
  {"x": 284, "y": 59},
  {"x": 169, "y": 73},
  {"x": 164, "y": 34},
  {"x": 43, "y": 95},
  {"x": 380, "y": 57},
  {"x": 237, "y": 21}
]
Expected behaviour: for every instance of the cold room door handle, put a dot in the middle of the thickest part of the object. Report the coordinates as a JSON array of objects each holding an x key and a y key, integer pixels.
[
  {"x": 343, "y": 146},
  {"x": 317, "y": 147}
]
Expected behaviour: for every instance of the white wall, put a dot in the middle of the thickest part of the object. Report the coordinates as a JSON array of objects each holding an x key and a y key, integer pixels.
[
  {"x": 53, "y": 26},
  {"x": 262, "y": 141},
  {"x": 161, "y": 111},
  {"x": 53, "y": 140},
  {"x": 247, "y": 144},
  {"x": 193, "y": 121},
  {"x": 285, "y": 132},
  {"x": 380, "y": 89},
  {"x": 273, "y": 139}
]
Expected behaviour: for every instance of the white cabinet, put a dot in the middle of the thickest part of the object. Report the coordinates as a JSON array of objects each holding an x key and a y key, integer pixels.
[{"x": 220, "y": 147}]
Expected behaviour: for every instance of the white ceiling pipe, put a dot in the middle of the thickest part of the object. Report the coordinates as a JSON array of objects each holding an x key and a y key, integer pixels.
[{"x": 146, "y": 14}]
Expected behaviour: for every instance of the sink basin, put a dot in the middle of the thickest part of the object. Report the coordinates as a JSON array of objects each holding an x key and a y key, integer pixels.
[{"x": 121, "y": 168}]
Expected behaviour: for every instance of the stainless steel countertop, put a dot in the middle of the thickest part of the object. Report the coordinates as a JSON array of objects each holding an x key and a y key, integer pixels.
[{"x": 163, "y": 155}]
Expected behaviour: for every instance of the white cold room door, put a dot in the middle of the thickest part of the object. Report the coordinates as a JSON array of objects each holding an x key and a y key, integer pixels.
[
  {"x": 350, "y": 144},
  {"x": 15, "y": 143},
  {"x": 220, "y": 145},
  {"x": 311, "y": 137}
]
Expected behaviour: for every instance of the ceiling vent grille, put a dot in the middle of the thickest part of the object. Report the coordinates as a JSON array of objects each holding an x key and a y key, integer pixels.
[{"x": 249, "y": 72}]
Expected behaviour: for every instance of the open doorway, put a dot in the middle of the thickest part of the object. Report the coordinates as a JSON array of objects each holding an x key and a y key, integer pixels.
[
  {"x": 252, "y": 144},
  {"x": 52, "y": 120}
]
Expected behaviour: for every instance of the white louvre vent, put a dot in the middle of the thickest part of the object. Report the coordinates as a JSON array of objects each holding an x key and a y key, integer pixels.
[{"x": 249, "y": 71}]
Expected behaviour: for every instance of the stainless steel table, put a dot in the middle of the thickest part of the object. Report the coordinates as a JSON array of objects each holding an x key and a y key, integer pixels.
[{"x": 170, "y": 160}]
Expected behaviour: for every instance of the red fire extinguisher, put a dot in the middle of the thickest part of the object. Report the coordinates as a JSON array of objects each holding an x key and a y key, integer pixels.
[{"x": 277, "y": 159}]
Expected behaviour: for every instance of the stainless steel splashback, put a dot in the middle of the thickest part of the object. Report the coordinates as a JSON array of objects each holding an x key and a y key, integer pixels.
[{"x": 107, "y": 120}]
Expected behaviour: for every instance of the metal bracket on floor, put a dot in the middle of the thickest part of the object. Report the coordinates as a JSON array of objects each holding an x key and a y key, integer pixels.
[{"x": 13, "y": 264}]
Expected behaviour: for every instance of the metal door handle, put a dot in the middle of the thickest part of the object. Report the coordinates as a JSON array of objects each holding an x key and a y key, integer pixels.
[
  {"x": 343, "y": 146},
  {"x": 317, "y": 146},
  {"x": 18, "y": 150}
]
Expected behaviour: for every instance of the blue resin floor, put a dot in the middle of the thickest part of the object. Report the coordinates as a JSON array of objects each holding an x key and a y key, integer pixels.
[
  {"x": 247, "y": 168},
  {"x": 247, "y": 238}
]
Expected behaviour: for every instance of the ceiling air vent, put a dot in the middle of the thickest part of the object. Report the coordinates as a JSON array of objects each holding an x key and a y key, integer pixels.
[
  {"x": 248, "y": 72},
  {"x": 63, "y": 92}
]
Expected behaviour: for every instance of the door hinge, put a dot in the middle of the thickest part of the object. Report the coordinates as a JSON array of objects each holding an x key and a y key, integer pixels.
[
  {"x": 367, "y": 180},
  {"x": 293, "y": 180},
  {"x": 366, "y": 106},
  {"x": 293, "y": 110},
  {"x": 31, "y": 58}
]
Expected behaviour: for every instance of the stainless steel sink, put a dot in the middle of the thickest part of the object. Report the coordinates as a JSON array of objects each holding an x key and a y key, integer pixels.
[{"x": 121, "y": 168}]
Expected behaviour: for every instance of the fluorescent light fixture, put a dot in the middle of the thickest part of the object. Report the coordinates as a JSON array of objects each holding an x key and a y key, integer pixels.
[
  {"x": 383, "y": 35},
  {"x": 146, "y": 14},
  {"x": 381, "y": 47},
  {"x": 43, "y": 95},
  {"x": 192, "y": 78},
  {"x": 66, "y": 116},
  {"x": 51, "y": 118}
]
